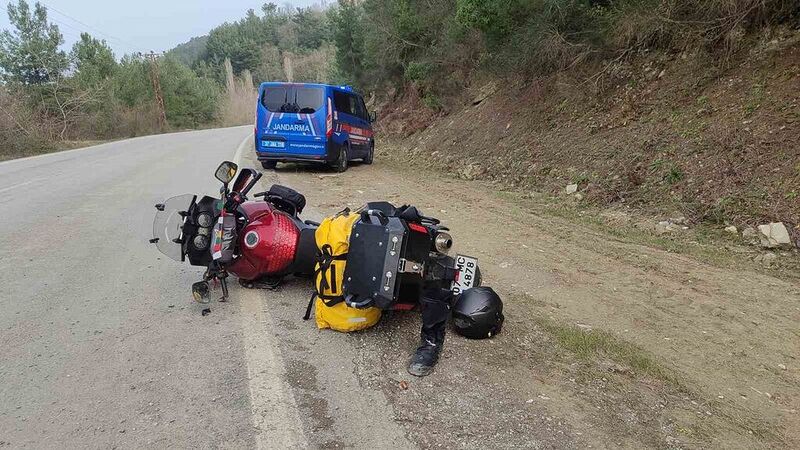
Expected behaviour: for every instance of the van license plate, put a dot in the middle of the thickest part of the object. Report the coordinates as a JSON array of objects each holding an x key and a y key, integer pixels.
[
  {"x": 272, "y": 144},
  {"x": 467, "y": 267}
]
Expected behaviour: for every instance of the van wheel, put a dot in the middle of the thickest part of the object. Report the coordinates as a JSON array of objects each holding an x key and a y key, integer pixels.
[
  {"x": 341, "y": 163},
  {"x": 370, "y": 155},
  {"x": 269, "y": 165}
]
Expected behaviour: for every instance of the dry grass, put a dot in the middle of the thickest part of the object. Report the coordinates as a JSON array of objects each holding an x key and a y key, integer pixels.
[
  {"x": 590, "y": 344},
  {"x": 237, "y": 104}
]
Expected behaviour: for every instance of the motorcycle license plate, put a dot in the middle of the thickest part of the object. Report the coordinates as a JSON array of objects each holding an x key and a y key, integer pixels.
[{"x": 465, "y": 279}]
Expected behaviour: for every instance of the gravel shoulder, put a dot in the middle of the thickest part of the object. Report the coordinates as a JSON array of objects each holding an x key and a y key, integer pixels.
[{"x": 608, "y": 343}]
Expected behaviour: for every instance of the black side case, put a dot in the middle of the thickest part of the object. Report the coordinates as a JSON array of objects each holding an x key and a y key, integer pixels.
[
  {"x": 373, "y": 276},
  {"x": 377, "y": 243}
]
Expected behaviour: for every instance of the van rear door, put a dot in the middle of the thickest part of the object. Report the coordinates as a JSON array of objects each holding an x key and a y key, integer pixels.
[{"x": 294, "y": 122}]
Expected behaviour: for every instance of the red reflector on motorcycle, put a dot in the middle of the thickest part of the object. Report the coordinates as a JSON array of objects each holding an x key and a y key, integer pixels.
[{"x": 418, "y": 228}]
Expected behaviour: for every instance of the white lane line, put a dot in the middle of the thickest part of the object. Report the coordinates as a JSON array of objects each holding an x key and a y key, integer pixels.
[
  {"x": 53, "y": 154},
  {"x": 18, "y": 185},
  {"x": 237, "y": 157},
  {"x": 275, "y": 416},
  {"x": 274, "y": 413}
]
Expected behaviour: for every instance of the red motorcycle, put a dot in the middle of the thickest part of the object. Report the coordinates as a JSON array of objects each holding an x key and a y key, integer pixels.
[
  {"x": 259, "y": 242},
  {"x": 263, "y": 241}
]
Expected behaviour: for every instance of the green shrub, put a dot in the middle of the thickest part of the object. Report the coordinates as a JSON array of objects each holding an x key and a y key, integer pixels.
[{"x": 418, "y": 71}]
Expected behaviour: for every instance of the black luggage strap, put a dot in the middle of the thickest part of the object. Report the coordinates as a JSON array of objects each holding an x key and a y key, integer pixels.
[
  {"x": 310, "y": 304},
  {"x": 328, "y": 300},
  {"x": 325, "y": 260}
]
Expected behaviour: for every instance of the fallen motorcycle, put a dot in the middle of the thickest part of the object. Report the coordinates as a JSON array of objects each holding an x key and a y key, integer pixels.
[
  {"x": 396, "y": 252},
  {"x": 257, "y": 241}
]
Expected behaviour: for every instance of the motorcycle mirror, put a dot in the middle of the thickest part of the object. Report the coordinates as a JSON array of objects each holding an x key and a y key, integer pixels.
[{"x": 226, "y": 171}]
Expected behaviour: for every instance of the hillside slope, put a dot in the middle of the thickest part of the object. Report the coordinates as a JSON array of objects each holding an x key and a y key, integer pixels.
[{"x": 717, "y": 141}]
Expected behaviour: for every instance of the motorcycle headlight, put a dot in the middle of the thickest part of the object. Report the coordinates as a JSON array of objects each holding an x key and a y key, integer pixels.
[
  {"x": 200, "y": 242},
  {"x": 205, "y": 220}
]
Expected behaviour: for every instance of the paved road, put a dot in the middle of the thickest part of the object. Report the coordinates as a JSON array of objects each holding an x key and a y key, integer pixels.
[{"x": 102, "y": 346}]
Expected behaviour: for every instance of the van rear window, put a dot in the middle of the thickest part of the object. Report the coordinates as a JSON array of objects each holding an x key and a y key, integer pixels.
[{"x": 293, "y": 99}]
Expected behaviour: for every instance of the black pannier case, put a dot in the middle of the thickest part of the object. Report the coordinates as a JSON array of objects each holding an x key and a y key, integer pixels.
[{"x": 380, "y": 247}]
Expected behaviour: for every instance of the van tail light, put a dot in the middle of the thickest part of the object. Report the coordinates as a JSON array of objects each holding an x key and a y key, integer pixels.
[{"x": 329, "y": 120}]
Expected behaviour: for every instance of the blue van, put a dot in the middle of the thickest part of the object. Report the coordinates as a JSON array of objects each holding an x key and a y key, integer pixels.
[{"x": 305, "y": 122}]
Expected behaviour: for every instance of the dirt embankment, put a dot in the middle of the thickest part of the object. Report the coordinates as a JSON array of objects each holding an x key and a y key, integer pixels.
[{"x": 718, "y": 141}]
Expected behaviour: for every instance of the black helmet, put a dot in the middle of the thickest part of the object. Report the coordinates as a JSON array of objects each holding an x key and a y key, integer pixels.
[{"x": 478, "y": 313}]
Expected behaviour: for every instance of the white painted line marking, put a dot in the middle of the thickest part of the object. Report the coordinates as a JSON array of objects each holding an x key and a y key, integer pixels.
[
  {"x": 237, "y": 157},
  {"x": 54, "y": 154},
  {"x": 274, "y": 412},
  {"x": 19, "y": 185}
]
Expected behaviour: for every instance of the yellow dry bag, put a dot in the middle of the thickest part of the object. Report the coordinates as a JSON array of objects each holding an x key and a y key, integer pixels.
[{"x": 330, "y": 309}]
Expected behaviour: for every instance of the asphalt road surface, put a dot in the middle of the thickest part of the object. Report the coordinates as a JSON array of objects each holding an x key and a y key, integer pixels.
[{"x": 103, "y": 347}]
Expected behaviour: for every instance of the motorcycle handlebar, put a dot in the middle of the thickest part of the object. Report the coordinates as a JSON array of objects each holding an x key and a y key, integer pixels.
[{"x": 251, "y": 183}]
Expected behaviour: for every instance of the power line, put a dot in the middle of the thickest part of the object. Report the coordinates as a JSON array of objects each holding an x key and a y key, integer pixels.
[
  {"x": 68, "y": 33},
  {"x": 127, "y": 44}
]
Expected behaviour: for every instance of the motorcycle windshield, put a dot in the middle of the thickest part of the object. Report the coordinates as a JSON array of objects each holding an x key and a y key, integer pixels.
[{"x": 168, "y": 225}]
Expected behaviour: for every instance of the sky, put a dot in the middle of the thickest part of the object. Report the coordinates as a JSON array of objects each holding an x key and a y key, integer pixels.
[{"x": 142, "y": 25}]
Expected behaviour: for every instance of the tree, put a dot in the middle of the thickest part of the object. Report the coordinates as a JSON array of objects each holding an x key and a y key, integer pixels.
[
  {"x": 29, "y": 54},
  {"x": 132, "y": 84},
  {"x": 348, "y": 35},
  {"x": 231, "y": 41},
  {"x": 94, "y": 61},
  {"x": 189, "y": 100},
  {"x": 312, "y": 28}
]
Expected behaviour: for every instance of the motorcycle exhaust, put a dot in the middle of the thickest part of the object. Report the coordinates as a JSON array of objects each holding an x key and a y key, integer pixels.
[{"x": 443, "y": 242}]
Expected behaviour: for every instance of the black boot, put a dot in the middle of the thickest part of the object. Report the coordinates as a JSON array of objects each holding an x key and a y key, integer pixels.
[
  {"x": 435, "y": 308},
  {"x": 427, "y": 354}
]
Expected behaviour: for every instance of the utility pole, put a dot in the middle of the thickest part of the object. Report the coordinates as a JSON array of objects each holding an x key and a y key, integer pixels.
[{"x": 154, "y": 77}]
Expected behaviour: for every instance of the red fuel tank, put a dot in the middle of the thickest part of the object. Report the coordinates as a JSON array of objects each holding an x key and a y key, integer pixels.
[{"x": 268, "y": 242}]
